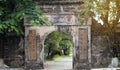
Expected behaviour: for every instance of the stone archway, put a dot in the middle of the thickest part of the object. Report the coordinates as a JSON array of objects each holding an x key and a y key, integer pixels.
[
  {"x": 80, "y": 35},
  {"x": 58, "y": 51}
]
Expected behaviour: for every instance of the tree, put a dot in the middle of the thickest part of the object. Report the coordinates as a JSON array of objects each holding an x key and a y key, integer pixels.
[
  {"x": 106, "y": 12},
  {"x": 56, "y": 42},
  {"x": 85, "y": 11},
  {"x": 12, "y": 12},
  {"x": 65, "y": 46}
]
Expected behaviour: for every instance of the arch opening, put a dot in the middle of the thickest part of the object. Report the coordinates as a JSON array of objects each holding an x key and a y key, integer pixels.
[{"x": 58, "y": 51}]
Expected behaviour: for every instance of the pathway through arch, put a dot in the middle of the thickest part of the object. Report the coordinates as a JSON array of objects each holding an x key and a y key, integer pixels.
[{"x": 62, "y": 64}]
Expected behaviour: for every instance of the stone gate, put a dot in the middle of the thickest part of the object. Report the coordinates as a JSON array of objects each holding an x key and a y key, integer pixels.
[
  {"x": 64, "y": 19},
  {"x": 35, "y": 37}
]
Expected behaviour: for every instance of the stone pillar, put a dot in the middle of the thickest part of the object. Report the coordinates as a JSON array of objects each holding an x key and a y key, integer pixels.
[
  {"x": 33, "y": 49},
  {"x": 82, "y": 57}
]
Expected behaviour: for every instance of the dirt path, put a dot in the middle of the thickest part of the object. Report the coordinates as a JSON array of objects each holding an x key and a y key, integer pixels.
[{"x": 62, "y": 64}]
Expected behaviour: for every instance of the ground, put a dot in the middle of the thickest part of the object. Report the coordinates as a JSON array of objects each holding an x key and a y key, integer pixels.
[
  {"x": 66, "y": 64},
  {"x": 61, "y": 64}
]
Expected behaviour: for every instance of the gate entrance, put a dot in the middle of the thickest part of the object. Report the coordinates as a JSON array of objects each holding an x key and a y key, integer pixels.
[
  {"x": 64, "y": 18},
  {"x": 58, "y": 51},
  {"x": 35, "y": 37}
]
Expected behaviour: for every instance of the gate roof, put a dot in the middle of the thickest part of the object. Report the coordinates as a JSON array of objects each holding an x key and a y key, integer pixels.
[{"x": 59, "y": 2}]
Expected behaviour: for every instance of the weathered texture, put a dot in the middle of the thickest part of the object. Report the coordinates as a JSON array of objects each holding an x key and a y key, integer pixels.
[
  {"x": 101, "y": 52},
  {"x": 73, "y": 31},
  {"x": 37, "y": 61},
  {"x": 59, "y": 2},
  {"x": 12, "y": 50},
  {"x": 32, "y": 45},
  {"x": 63, "y": 19}
]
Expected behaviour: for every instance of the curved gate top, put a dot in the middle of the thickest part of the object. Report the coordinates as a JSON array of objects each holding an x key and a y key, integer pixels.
[{"x": 62, "y": 21}]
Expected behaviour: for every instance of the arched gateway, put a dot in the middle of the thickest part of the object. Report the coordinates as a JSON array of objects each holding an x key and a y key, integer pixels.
[{"x": 62, "y": 21}]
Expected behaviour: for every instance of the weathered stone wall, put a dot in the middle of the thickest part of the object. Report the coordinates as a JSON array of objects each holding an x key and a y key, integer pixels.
[
  {"x": 43, "y": 31},
  {"x": 62, "y": 18},
  {"x": 12, "y": 51},
  {"x": 101, "y": 52}
]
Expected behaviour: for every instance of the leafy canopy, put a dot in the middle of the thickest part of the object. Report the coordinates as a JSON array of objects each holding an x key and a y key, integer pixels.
[
  {"x": 12, "y": 13},
  {"x": 56, "y": 42},
  {"x": 106, "y": 12},
  {"x": 55, "y": 38}
]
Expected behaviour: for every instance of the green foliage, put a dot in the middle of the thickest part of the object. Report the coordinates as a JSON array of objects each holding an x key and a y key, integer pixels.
[
  {"x": 106, "y": 12},
  {"x": 57, "y": 43},
  {"x": 107, "y": 9},
  {"x": 85, "y": 11},
  {"x": 66, "y": 46},
  {"x": 12, "y": 13},
  {"x": 56, "y": 57}
]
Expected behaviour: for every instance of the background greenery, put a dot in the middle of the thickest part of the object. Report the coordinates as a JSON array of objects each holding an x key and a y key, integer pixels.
[
  {"x": 105, "y": 15},
  {"x": 12, "y": 13},
  {"x": 57, "y": 44}
]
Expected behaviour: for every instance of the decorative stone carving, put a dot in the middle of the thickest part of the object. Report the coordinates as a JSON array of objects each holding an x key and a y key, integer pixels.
[
  {"x": 32, "y": 52},
  {"x": 83, "y": 44},
  {"x": 78, "y": 49}
]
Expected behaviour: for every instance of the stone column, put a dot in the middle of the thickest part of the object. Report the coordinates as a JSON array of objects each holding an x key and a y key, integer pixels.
[
  {"x": 82, "y": 57},
  {"x": 33, "y": 49}
]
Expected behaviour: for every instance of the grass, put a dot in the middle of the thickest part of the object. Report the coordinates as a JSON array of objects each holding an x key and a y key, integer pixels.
[{"x": 58, "y": 57}]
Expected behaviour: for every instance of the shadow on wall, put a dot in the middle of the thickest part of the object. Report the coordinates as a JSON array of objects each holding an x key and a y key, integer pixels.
[{"x": 13, "y": 51}]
